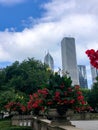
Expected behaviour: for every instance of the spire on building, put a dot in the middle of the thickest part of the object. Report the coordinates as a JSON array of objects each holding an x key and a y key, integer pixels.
[{"x": 49, "y": 61}]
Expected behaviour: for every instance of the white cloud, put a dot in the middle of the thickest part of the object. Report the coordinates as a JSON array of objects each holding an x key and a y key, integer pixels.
[
  {"x": 62, "y": 18},
  {"x": 11, "y": 2}
]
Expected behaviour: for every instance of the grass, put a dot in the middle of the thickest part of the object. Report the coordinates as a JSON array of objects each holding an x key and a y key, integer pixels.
[{"x": 6, "y": 125}]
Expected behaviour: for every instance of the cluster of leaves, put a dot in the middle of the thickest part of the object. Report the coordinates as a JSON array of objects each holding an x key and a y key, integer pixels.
[{"x": 93, "y": 56}]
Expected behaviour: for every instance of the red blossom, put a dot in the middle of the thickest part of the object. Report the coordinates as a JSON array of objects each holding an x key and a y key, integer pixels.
[
  {"x": 72, "y": 101},
  {"x": 77, "y": 87},
  {"x": 83, "y": 102},
  {"x": 57, "y": 94},
  {"x": 35, "y": 105},
  {"x": 35, "y": 95},
  {"x": 70, "y": 89},
  {"x": 43, "y": 91},
  {"x": 23, "y": 108},
  {"x": 65, "y": 93},
  {"x": 93, "y": 56},
  {"x": 49, "y": 103},
  {"x": 79, "y": 92},
  {"x": 80, "y": 97}
]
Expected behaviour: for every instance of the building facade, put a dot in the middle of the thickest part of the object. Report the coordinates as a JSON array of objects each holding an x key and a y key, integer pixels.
[
  {"x": 82, "y": 76},
  {"x": 69, "y": 61},
  {"x": 49, "y": 61},
  {"x": 94, "y": 73}
]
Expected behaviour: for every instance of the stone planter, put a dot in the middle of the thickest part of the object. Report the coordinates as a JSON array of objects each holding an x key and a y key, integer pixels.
[{"x": 58, "y": 119}]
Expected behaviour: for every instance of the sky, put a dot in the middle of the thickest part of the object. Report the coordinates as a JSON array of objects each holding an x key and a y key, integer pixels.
[{"x": 30, "y": 28}]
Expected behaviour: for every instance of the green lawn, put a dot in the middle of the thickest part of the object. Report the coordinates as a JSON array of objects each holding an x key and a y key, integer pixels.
[{"x": 6, "y": 125}]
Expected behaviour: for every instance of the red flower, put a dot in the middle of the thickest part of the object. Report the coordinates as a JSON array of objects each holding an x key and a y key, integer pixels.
[
  {"x": 23, "y": 108},
  {"x": 77, "y": 87},
  {"x": 35, "y": 95},
  {"x": 57, "y": 94},
  {"x": 35, "y": 105},
  {"x": 70, "y": 89},
  {"x": 79, "y": 92},
  {"x": 65, "y": 93},
  {"x": 93, "y": 56},
  {"x": 43, "y": 91},
  {"x": 80, "y": 97},
  {"x": 49, "y": 103},
  {"x": 72, "y": 101}
]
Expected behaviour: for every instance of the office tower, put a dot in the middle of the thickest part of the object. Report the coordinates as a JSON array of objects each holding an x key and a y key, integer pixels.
[
  {"x": 94, "y": 73},
  {"x": 82, "y": 76},
  {"x": 69, "y": 62},
  {"x": 49, "y": 61}
]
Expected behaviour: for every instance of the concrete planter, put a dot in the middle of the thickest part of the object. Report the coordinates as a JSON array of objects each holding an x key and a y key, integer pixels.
[{"x": 57, "y": 119}]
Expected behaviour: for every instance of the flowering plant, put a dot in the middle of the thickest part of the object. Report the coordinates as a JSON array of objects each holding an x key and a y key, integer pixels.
[
  {"x": 37, "y": 101},
  {"x": 58, "y": 93},
  {"x": 93, "y": 56},
  {"x": 16, "y": 106}
]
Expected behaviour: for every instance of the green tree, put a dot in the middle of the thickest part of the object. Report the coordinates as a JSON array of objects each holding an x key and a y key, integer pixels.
[
  {"x": 27, "y": 76},
  {"x": 93, "y": 97}
]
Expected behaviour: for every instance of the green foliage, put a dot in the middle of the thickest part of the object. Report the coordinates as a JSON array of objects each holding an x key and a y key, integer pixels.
[
  {"x": 12, "y": 96},
  {"x": 19, "y": 80},
  {"x": 93, "y": 97},
  {"x": 26, "y": 77},
  {"x": 86, "y": 93},
  {"x": 55, "y": 81}
]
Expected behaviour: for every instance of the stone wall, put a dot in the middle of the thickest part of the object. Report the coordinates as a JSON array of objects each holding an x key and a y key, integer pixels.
[{"x": 85, "y": 116}]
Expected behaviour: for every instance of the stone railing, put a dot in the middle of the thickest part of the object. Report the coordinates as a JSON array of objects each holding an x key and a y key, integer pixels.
[
  {"x": 40, "y": 123},
  {"x": 45, "y": 124},
  {"x": 22, "y": 120}
]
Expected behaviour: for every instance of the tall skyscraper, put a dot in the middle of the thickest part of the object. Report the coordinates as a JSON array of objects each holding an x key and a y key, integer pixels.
[
  {"x": 69, "y": 62},
  {"x": 82, "y": 76},
  {"x": 94, "y": 73},
  {"x": 49, "y": 61}
]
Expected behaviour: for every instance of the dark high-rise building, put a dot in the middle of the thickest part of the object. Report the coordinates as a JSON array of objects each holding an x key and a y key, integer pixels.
[
  {"x": 94, "y": 73},
  {"x": 69, "y": 61},
  {"x": 82, "y": 76}
]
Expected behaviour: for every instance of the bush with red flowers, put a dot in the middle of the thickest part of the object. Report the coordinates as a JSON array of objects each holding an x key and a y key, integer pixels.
[
  {"x": 58, "y": 93},
  {"x": 15, "y": 106},
  {"x": 38, "y": 101}
]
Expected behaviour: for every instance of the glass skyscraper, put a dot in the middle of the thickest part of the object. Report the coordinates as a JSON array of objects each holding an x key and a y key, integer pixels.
[
  {"x": 82, "y": 76},
  {"x": 69, "y": 62},
  {"x": 49, "y": 61},
  {"x": 94, "y": 73}
]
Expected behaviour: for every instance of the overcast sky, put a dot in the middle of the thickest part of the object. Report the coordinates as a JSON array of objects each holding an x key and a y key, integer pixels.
[{"x": 29, "y": 28}]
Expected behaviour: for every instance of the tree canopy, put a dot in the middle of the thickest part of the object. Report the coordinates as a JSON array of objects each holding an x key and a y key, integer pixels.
[{"x": 26, "y": 76}]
